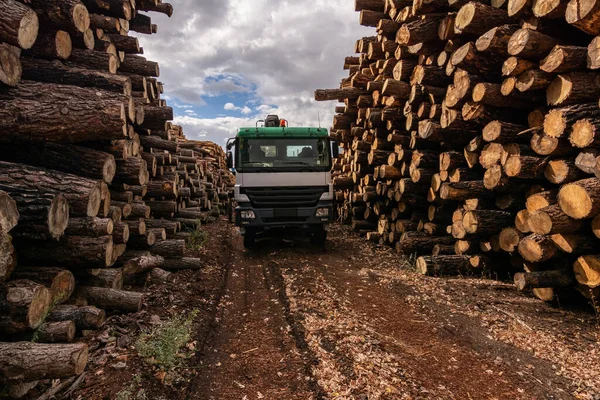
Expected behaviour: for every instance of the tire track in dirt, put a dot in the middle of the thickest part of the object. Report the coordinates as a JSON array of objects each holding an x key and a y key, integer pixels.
[{"x": 251, "y": 351}]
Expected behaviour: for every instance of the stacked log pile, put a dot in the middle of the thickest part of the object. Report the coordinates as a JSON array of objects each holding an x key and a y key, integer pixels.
[
  {"x": 97, "y": 186},
  {"x": 469, "y": 137}
]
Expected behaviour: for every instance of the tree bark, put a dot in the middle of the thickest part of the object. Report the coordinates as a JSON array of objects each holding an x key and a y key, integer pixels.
[
  {"x": 564, "y": 59},
  {"x": 60, "y": 281},
  {"x": 10, "y": 65},
  {"x": 112, "y": 299},
  {"x": 139, "y": 65},
  {"x": 24, "y": 361},
  {"x": 18, "y": 24},
  {"x": 93, "y": 60},
  {"x": 496, "y": 39},
  {"x": 54, "y": 71},
  {"x": 446, "y": 265},
  {"x": 24, "y": 304},
  {"x": 573, "y": 88},
  {"x": 530, "y": 44},
  {"x": 587, "y": 270},
  {"x": 177, "y": 264},
  {"x": 75, "y": 251},
  {"x": 85, "y": 317},
  {"x": 552, "y": 219},
  {"x": 56, "y": 332},
  {"x": 43, "y": 112},
  {"x": 580, "y": 199},
  {"x": 169, "y": 248},
  {"x": 543, "y": 279},
  {"x": 537, "y": 248},
  {"x": 111, "y": 278},
  {"x": 584, "y": 15}
]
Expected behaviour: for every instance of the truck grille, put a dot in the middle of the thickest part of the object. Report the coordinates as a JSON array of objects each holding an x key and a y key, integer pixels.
[{"x": 284, "y": 197}]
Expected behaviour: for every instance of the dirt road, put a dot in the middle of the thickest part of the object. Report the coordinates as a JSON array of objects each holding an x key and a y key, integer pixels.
[
  {"x": 291, "y": 321},
  {"x": 298, "y": 322}
]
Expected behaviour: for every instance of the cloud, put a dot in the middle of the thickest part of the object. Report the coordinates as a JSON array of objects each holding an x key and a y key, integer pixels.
[{"x": 275, "y": 53}]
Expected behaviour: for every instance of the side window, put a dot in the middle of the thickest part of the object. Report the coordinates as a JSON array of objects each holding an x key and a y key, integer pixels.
[{"x": 270, "y": 151}]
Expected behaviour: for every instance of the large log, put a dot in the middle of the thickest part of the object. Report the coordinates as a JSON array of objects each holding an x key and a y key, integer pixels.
[
  {"x": 70, "y": 15},
  {"x": 56, "y": 332},
  {"x": 9, "y": 214},
  {"x": 36, "y": 111},
  {"x": 51, "y": 44},
  {"x": 551, "y": 220},
  {"x": 103, "y": 277},
  {"x": 176, "y": 264},
  {"x": 62, "y": 157},
  {"x": 111, "y": 299},
  {"x": 587, "y": 270},
  {"x": 530, "y": 44},
  {"x": 136, "y": 262},
  {"x": 25, "y": 361},
  {"x": 580, "y": 199},
  {"x": 564, "y": 59},
  {"x": 74, "y": 251},
  {"x": 24, "y": 305},
  {"x": 93, "y": 60},
  {"x": 10, "y": 65},
  {"x": 86, "y": 317},
  {"x": 477, "y": 18},
  {"x": 445, "y": 265},
  {"x": 543, "y": 279},
  {"x": 584, "y": 15},
  {"x": 537, "y": 248},
  {"x": 84, "y": 195},
  {"x": 169, "y": 248},
  {"x": 54, "y": 71},
  {"x": 139, "y": 65},
  {"x": 60, "y": 281},
  {"x": 573, "y": 88},
  {"x": 18, "y": 24},
  {"x": 8, "y": 257}
]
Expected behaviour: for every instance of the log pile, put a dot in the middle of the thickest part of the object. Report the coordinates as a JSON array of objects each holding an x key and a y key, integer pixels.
[
  {"x": 469, "y": 137},
  {"x": 97, "y": 186}
]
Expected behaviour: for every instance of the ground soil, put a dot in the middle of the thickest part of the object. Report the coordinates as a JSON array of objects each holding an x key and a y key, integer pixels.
[{"x": 288, "y": 320}]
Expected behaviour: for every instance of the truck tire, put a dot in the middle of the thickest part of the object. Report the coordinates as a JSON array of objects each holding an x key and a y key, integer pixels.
[
  {"x": 249, "y": 238},
  {"x": 318, "y": 236}
]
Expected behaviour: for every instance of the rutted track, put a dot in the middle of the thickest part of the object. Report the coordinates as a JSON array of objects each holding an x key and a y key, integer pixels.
[{"x": 297, "y": 322}]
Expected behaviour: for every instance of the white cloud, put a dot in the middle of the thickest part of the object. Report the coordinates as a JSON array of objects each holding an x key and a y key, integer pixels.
[
  {"x": 279, "y": 52},
  {"x": 230, "y": 107}
]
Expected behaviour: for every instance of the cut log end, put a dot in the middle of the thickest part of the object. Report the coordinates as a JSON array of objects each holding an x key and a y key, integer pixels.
[
  {"x": 28, "y": 30},
  {"x": 575, "y": 201}
]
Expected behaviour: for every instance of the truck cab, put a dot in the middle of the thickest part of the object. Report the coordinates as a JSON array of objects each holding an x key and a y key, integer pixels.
[{"x": 283, "y": 179}]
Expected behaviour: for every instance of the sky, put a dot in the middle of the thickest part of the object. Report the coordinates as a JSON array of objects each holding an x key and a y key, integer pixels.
[{"x": 227, "y": 63}]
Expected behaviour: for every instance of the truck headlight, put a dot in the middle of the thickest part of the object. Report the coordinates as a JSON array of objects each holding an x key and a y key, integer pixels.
[
  {"x": 247, "y": 214},
  {"x": 322, "y": 212}
]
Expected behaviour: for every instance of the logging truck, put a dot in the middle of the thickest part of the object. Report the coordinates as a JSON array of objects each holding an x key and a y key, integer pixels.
[{"x": 283, "y": 178}]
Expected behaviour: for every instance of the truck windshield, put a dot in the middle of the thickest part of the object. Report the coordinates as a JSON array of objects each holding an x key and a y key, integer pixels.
[{"x": 283, "y": 155}]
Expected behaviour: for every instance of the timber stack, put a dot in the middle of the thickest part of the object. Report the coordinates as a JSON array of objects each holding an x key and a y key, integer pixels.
[
  {"x": 469, "y": 137},
  {"x": 97, "y": 186}
]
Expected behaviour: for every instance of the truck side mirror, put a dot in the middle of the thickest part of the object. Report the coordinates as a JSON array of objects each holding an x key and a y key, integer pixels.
[
  {"x": 229, "y": 160},
  {"x": 335, "y": 149}
]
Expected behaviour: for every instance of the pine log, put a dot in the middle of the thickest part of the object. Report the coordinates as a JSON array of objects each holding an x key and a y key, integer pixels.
[
  {"x": 564, "y": 59},
  {"x": 24, "y": 305},
  {"x": 512, "y": 67},
  {"x": 10, "y": 65},
  {"x": 60, "y": 281},
  {"x": 54, "y": 71},
  {"x": 106, "y": 23},
  {"x": 75, "y": 251},
  {"x": 164, "y": 8},
  {"x": 139, "y": 65},
  {"x": 573, "y": 88},
  {"x": 18, "y": 24},
  {"x": 557, "y": 121},
  {"x": 112, "y": 299},
  {"x": 85, "y": 317},
  {"x": 8, "y": 257},
  {"x": 552, "y": 219},
  {"x": 423, "y": 29},
  {"x": 543, "y": 279},
  {"x": 537, "y": 248},
  {"x": 169, "y": 248},
  {"x": 584, "y": 15},
  {"x": 135, "y": 262},
  {"x": 477, "y": 18},
  {"x": 587, "y": 270},
  {"x": 93, "y": 60},
  {"x": 56, "y": 332},
  {"x": 84, "y": 195},
  {"x": 562, "y": 171},
  {"x": 486, "y": 222},
  {"x": 575, "y": 244},
  {"x": 103, "y": 277},
  {"x": 593, "y": 55},
  {"x": 530, "y": 44},
  {"x": 42, "y": 112},
  {"x": 446, "y": 265},
  {"x": 496, "y": 39},
  {"x": 25, "y": 361},
  {"x": 51, "y": 44},
  {"x": 532, "y": 80},
  {"x": 9, "y": 214},
  {"x": 580, "y": 199},
  {"x": 420, "y": 243}
]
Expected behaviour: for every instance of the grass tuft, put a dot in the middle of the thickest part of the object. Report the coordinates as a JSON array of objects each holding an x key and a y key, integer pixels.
[
  {"x": 197, "y": 239},
  {"x": 161, "y": 345}
]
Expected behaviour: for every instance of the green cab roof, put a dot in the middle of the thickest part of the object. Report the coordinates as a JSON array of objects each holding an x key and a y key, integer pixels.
[{"x": 282, "y": 132}]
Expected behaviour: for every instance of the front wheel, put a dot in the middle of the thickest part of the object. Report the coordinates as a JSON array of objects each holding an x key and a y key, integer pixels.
[
  {"x": 318, "y": 236},
  {"x": 249, "y": 238}
]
